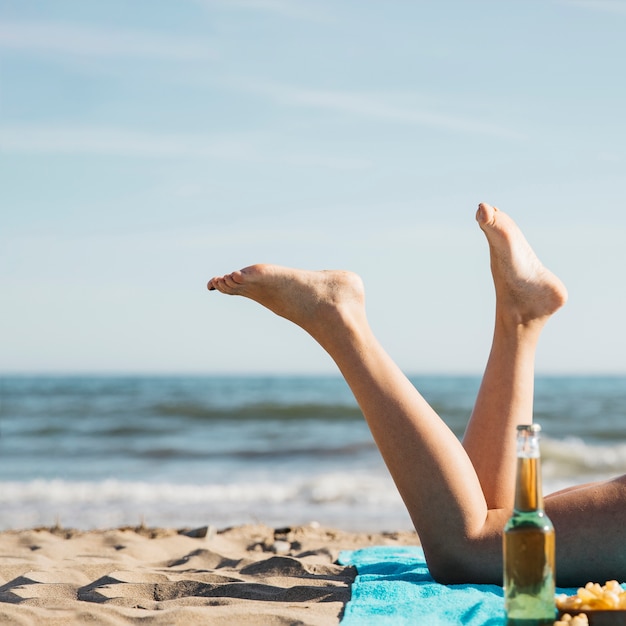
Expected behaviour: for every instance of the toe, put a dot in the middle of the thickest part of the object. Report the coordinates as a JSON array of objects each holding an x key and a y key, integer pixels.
[
  {"x": 230, "y": 282},
  {"x": 484, "y": 214}
]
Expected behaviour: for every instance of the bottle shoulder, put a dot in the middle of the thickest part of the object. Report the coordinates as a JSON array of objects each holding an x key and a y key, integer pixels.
[{"x": 528, "y": 520}]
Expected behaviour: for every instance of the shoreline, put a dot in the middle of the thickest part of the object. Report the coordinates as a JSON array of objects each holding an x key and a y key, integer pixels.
[{"x": 244, "y": 575}]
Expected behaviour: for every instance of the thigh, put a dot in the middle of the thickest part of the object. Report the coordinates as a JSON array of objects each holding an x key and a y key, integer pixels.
[{"x": 590, "y": 523}]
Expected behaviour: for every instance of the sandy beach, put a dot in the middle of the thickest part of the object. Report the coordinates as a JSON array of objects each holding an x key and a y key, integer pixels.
[{"x": 250, "y": 574}]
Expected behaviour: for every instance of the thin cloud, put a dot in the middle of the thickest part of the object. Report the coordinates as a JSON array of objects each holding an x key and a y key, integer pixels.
[
  {"x": 118, "y": 142},
  {"x": 112, "y": 142},
  {"x": 68, "y": 38},
  {"x": 372, "y": 106}
]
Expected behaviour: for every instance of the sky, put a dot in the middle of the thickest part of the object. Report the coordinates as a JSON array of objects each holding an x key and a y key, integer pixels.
[{"x": 147, "y": 146}]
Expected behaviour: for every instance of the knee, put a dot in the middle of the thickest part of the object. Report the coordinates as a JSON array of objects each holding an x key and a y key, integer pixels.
[
  {"x": 476, "y": 562},
  {"x": 447, "y": 568}
]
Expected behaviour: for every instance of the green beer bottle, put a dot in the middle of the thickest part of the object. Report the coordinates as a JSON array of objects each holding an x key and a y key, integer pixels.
[{"x": 529, "y": 575}]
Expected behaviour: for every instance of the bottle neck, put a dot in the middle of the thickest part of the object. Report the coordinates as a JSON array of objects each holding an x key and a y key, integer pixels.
[{"x": 528, "y": 493}]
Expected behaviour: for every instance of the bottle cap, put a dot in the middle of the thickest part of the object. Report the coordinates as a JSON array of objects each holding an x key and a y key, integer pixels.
[{"x": 531, "y": 428}]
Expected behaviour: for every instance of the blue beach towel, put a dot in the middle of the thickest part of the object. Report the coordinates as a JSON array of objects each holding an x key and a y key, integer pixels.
[{"x": 394, "y": 588}]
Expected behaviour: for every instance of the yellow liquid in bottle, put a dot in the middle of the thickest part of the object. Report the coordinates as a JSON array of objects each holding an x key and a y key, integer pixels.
[{"x": 529, "y": 575}]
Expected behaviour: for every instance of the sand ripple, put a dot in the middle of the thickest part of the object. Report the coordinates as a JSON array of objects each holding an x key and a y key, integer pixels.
[{"x": 243, "y": 576}]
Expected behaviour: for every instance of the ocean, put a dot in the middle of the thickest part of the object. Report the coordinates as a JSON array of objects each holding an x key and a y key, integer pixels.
[{"x": 106, "y": 451}]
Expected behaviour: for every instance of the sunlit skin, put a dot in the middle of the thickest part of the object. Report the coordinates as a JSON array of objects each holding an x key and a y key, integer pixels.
[{"x": 459, "y": 494}]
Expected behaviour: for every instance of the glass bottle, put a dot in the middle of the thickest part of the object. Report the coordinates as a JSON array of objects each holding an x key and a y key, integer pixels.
[{"x": 529, "y": 575}]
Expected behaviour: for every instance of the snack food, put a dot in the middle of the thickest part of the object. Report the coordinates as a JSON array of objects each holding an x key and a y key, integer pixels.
[
  {"x": 594, "y": 597},
  {"x": 568, "y": 620}
]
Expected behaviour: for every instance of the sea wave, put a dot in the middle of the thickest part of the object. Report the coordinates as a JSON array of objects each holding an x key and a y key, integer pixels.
[
  {"x": 564, "y": 461},
  {"x": 349, "y": 489},
  {"x": 353, "y": 501},
  {"x": 364, "y": 498},
  {"x": 259, "y": 411},
  {"x": 572, "y": 457},
  {"x": 133, "y": 419}
]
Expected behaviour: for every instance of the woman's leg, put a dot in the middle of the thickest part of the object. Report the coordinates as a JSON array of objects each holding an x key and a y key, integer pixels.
[
  {"x": 591, "y": 535},
  {"x": 431, "y": 469},
  {"x": 526, "y": 295}
]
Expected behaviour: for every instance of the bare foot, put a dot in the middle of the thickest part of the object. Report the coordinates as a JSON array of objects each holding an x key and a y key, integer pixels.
[
  {"x": 310, "y": 299},
  {"x": 525, "y": 289}
]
